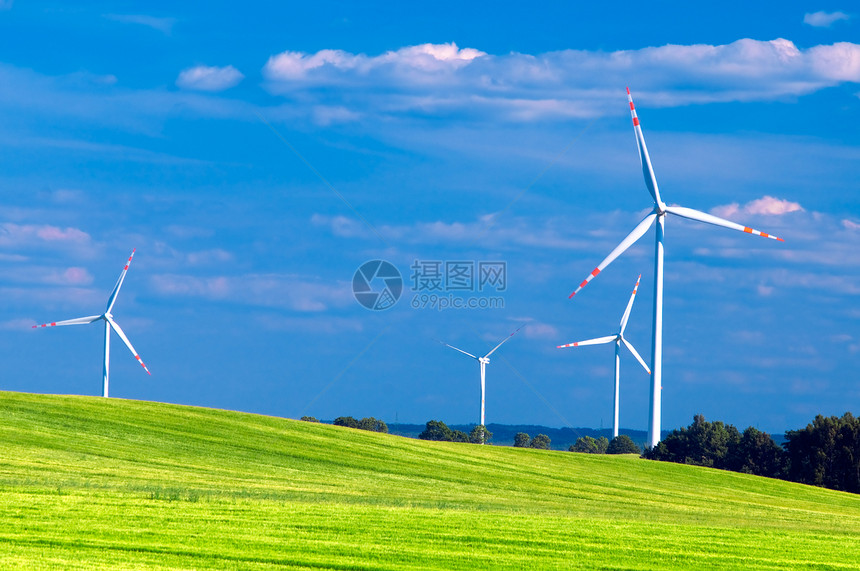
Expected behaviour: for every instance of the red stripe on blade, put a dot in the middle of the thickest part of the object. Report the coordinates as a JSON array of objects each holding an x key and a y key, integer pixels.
[{"x": 636, "y": 121}]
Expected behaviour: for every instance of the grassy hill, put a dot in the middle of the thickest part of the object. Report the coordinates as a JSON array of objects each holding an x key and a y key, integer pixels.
[{"x": 94, "y": 483}]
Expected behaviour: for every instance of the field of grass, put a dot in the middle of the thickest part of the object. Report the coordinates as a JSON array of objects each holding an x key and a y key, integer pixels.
[{"x": 91, "y": 483}]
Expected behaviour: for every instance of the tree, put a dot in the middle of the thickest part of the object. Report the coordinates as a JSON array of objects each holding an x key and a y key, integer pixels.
[
  {"x": 540, "y": 441},
  {"x": 522, "y": 440},
  {"x": 372, "y": 424},
  {"x": 480, "y": 435},
  {"x": 589, "y": 445},
  {"x": 309, "y": 419},
  {"x": 825, "y": 453},
  {"x": 622, "y": 444},
  {"x": 459, "y": 436},
  {"x": 347, "y": 421},
  {"x": 436, "y": 430},
  {"x": 758, "y": 454},
  {"x": 703, "y": 443}
]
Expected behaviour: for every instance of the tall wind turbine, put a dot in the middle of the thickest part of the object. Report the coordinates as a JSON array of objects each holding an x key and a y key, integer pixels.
[
  {"x": 109, "y": 324},
  {"x": 484, "y": 361},
  {"x": 658, "y": 214},
  {"x": 619, "y": 339}
]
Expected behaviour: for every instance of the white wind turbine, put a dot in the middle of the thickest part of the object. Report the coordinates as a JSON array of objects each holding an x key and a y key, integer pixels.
[
  {"x": 658, "y": 213},
  {"x": 619, "y": 339},
  {"x": 483, "y": 361},
  {"x": 109, "y": 324}
]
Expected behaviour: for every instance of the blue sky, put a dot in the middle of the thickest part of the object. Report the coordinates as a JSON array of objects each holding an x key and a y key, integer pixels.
[{"x": 256, "y": 156}]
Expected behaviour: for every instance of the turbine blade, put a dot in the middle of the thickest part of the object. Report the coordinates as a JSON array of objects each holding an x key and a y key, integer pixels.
[
  {"x": 76, "y": 321},
  {"x": 716, "y": 221},
  {"x": 460, "y": 350},
  {"x": 629, "y": 306},
  {"x": 635, "y": 354},
  {"x": 503, "y": 341},
  {"x": 115, "y": 292},
  {"x": 597, "y": 341},
  {"x": 115, "y": 326},
  {"x": 637, "y": 233},
  {"x": 644, "y": 157}
]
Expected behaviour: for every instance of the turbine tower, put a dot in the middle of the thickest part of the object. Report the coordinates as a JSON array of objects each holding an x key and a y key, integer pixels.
[
  {"x": 658, "y": 214},
  {"x": 109, "y": 324},
  {"x": 483, "y": 362},
  {"x": 619, "y": 339}
]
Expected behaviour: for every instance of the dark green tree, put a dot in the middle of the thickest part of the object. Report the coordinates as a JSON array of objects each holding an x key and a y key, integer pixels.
[
  {"x": 590, "y": 445},
  {"x": 540, "y": 441},
  {"x": 373, "y": 424},
  {"x": 309, "y": 419},
  {"x": 347, "y": 421},
  {"x": 825, "y": 453},
  {"x": 436, "y": 430},
  {"x": 522, "y": 440},
  {"x": 622, "y": 444},
  {"x": 459, "y": 436},
  {"x": 756, "y": 453},
  {"x": 703, "y": 443},
  {"x": 480, "y": 435}
]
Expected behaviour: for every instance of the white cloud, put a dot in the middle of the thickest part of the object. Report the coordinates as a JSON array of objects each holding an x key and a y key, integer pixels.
[
  {"x": 541, "y": 331},
  {"x": 18, "y": 324},
  {"x": 206, "y": 78},
  {"x": 47, "y": 275},
  {"x": 163, "y": 25},
  {"x": 208, "y": 257},
  {"x": 443, "y": 78},
  {"x": 76, "y": 276},
  {"x": 25, "y": 235},
  {"x": 427, "y": 58},
  {"x": 298, "y": 293},
  {"x": 824, "y": 19},
  {"x": 24, "y": 92},
  {"x": 764, "y": 290},
  {"x": 850, "y": 225},
  {"x": 551, "y": 233},
  {"x": 766, "y": 205}
]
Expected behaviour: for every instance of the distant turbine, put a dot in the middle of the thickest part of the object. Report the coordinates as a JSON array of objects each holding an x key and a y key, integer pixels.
[
  {"x": 658, "y": 214},
  {"x": 483, "y": 361},
  {"x": 109, "y": 324},
  {"x": 618, "y": 338}
]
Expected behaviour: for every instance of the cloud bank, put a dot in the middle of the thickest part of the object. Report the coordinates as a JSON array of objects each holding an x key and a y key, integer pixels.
[{"x": 443, "y": 78}]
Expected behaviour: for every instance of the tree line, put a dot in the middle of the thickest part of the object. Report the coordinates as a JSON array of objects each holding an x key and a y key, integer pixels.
[
  {"x": 826, "y": 453},
  {"x": 621, "y": 444},
  {"x": 439, "y": 431},
  {"x": 369, "y": 423}
]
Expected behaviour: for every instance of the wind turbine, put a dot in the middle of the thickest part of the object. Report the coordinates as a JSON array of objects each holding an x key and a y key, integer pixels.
[
  {"x": 619, "y": 339},
  {"x": 658, "y": 214},
  {"x": 483, "y": 361},
  {"x": 109, "y": 324}
]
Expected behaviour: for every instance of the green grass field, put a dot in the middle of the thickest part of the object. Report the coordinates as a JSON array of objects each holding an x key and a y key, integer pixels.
[{"x": 92, "y": 483}]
